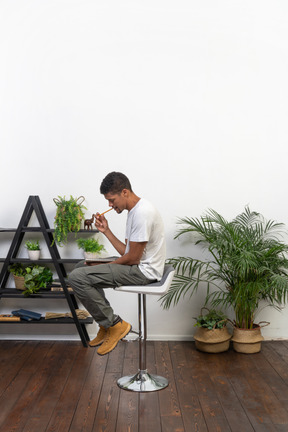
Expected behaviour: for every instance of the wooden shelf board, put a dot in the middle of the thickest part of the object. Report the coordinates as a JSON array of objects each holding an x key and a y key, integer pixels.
[
  {"x": 44, "y": 260},
  {"x": 14, "y": 293},
  {"x": 50, "y": 230},
  {"x": 63, "y": 320}
]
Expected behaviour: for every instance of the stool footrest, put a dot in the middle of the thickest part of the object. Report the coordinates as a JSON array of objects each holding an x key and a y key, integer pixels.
[
  {"x": 125, "y": 339},
  {"x": 142, "y": 382}
]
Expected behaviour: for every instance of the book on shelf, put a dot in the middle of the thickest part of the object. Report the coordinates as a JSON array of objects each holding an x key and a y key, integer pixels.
[
  {"x": 59, "y": 288},
  {"x": 26, "y": 315},
  {"x": 56, "y": 286},
  {"x": 9, "y": 317}
]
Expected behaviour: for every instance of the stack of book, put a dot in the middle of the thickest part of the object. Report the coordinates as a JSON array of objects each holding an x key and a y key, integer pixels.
[{"x": 26, "y": 315}]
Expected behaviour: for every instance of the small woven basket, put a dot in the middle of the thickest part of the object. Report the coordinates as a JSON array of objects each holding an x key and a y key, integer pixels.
[
  {"x": 19, "y": 282},
  {"x": 212, "y": 341}
]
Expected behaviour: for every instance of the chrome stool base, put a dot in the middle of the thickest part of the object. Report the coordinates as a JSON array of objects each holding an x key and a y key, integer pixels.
[{"x": 142, "y": 382}]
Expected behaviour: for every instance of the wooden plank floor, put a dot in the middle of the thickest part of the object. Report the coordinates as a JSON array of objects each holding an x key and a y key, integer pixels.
[{"x": 61, "y": 386}]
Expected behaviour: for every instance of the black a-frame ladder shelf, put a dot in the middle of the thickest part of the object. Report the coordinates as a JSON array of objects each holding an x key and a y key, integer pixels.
[{"x": 34, "y": 204}]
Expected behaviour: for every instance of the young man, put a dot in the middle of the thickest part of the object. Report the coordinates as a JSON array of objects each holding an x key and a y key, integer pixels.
[{"x": 141, "y": 260}]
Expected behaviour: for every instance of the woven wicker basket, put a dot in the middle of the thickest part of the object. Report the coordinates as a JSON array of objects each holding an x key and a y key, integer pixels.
[
  {"x": 247, "y": 341},
  {"x": 212, "y": 341},
  {"x": 19, "y": 282}
]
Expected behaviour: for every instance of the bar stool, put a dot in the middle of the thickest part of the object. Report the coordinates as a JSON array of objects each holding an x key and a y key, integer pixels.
[{"x": 142, "y": 381}]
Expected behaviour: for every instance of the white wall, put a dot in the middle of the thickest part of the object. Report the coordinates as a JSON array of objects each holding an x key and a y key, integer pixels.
[{"x": 188, "y": 98}]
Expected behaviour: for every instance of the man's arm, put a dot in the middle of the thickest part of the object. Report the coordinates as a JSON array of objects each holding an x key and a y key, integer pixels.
[
  {"x": 116, "y": 243},
  {"x": 136, "y": 249},
  {"x": 133, "y": 256},
  {"x": 102, "y": 225}
]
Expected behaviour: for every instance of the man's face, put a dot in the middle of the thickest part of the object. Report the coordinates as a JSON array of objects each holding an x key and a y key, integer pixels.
[{"x": 117, "y": 201}]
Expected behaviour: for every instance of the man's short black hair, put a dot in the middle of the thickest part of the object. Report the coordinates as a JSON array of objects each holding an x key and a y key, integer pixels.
[{"x": 114, "y": 183}]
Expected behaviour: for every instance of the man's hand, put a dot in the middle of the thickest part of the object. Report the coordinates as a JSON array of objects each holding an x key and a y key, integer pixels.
[{"x": 101, "y": 223}]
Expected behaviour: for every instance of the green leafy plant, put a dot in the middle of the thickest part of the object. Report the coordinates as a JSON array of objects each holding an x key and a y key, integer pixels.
[
  {"x": 30, "y": 245},
  {"x": 68, "y": 218},
  {"x": 17, "y": 269},
  {"x": 90, "y": 245},
  {"x": 246, "y": 265},
  {"x": 212, "y": 320},
  {"x": 35, "y": 277}
]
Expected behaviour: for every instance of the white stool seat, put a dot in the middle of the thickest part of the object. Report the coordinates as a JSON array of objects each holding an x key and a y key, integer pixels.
[
  {"x": 154, "y": 288},
  {"x": 142, "y": 381}
]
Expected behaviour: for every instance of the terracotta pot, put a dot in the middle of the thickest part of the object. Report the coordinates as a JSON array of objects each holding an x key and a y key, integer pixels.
[
  {"x": 247, "y": 341},
  {"x": 212, "y": 341}
]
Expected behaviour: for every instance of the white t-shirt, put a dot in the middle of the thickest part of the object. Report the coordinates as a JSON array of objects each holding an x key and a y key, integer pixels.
[{"x": 144, "y": 224}]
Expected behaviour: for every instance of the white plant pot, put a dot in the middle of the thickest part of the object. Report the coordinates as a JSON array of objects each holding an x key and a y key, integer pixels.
[
  {"x": 34, "y": 255},
  {"x": 91, "y": 255}
]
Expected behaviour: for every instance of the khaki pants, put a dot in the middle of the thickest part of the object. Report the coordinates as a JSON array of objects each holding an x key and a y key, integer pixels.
[{"x": 89, "y": 282}]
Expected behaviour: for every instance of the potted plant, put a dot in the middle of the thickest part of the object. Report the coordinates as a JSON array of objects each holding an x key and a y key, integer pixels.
[
  {"x": 18, "y": 272},
  {"x": 246, "y": 265},
  {"x": 33, "y": 249},
  {"x": 34, "y": 277},
  {"x": 69, "y": 215},
  {"x": 91, "y": 247},
  {"x": 212, "y": 335}
]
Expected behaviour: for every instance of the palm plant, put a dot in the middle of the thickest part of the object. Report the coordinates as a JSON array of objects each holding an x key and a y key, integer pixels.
[{"x": 247, "y": 264}]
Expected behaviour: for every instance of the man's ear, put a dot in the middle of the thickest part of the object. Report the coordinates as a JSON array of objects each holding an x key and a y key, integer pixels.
[{"x": 125, "y": 193}]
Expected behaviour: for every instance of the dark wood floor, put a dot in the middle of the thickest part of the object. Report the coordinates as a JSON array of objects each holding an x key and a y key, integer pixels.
[{"x": 61, "y": 386}]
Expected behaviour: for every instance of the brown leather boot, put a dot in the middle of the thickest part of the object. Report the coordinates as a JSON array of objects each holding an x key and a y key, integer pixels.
[
  {"x": 99, "y": 339},
  {"x": 113, "y": 335}
]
